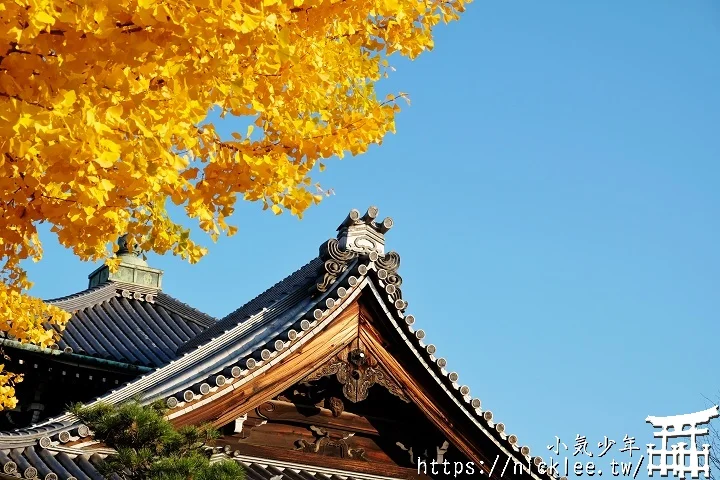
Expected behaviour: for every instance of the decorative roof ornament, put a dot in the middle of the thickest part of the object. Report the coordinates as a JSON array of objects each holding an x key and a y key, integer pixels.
[
  {"x": 364, "y": 234},
  {"x": 128, "y": 255},
  {"x": 336, "y": 260},
  {"x": 133, "y": 269},
  {"x": 362, "y": 237}
]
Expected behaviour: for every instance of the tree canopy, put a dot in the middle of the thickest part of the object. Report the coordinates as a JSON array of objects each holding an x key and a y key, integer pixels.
[
  {"x": 104, "y": 119},
  {"x": 148, "y": 447}
]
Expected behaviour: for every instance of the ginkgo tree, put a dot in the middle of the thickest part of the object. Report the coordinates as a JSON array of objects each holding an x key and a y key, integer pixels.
[{"x": 104, "y": 107}]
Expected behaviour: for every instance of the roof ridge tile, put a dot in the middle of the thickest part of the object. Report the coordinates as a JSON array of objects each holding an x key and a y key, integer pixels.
[
  {"x": 83, "y": 298},
  {"x": 268, "y": 298},
  {"x": 185, "y": 310}
]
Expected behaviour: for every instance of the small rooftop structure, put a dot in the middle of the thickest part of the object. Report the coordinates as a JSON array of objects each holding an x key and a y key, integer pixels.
[
  {"x": 323, "y": 375},
  {"x": 133, "y": 269}
]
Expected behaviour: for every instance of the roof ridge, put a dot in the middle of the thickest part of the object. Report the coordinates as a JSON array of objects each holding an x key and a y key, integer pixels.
[
  {"x": 105, "y": 291},
  {"x": 266, "y": 299},
  {"x": 271, "y": 288},
  {"x": 89, "y": 296},
  {"x": 98, "y": 294},
  {"x": 185, "y": 310}
]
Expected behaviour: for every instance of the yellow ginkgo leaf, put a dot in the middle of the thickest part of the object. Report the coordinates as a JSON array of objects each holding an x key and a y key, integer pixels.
[
  {"x": 107, "y": 115},
  {"x": 106, "y": 159}
]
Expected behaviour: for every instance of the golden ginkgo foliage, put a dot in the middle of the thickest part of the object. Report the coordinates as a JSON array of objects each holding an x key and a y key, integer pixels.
[{"x": 103, "y": 108}]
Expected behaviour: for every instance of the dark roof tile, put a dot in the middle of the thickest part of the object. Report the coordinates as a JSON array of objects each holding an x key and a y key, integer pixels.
[
  {"x": 129, "y": 324},
  {"x": 85, "y": 467},
  {"x": 301, "y": 278}
]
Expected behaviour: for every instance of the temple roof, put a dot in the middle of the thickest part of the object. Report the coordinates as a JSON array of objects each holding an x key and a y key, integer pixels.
[
  {"x": 128, "y": 323},
  {"x": 62, "y": 464},
  {"x": 125, "y": 317},
  {"x": 251, "y": 341},
  {"x": 294, "y": 285}
]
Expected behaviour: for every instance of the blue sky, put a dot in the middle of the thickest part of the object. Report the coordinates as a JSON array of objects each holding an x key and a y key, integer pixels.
[{"x": 555, "y": 191}]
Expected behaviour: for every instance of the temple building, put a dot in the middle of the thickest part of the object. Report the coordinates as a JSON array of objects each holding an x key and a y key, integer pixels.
[{"x": 322, "y": 376}]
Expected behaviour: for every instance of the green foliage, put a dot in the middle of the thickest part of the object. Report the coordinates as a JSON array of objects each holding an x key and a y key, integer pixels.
[{"x": 149, "y": 447}]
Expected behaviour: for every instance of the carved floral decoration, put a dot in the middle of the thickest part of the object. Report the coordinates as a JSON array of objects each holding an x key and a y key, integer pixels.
[{"x": 357, "y": 372}]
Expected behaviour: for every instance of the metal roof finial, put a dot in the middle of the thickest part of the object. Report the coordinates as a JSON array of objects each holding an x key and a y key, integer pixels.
[
  {"x": 133, "y": 268},
  {"x": 127, "y": 255},
  {"x": 122, "y": 245}
]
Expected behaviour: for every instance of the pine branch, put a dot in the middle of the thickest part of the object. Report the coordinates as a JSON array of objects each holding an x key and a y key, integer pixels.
[{"x": 148, "y": 447}]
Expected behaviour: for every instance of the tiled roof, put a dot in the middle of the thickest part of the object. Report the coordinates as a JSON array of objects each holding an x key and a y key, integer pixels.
[
  {"x": 296, "y": 282},
  {"x": 128, "y": 323},
  {"x": 250, "y": 341},
  {"x": 264, "y": 469},
  {"x": 36, "y": 462},
  {"x": 129, "y": 330}
]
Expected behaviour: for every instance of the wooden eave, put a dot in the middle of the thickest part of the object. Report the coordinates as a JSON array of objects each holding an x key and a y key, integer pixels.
[{"x": 365, "y": 317}]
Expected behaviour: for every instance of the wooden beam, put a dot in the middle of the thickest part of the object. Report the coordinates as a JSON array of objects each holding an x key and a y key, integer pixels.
[
  {"x": 266, "y": 385},
  {"x": 361, "y": 322}
]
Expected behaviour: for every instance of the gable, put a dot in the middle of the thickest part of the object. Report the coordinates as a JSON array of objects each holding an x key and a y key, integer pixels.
[
  {"x": 313, "y": 422},
  {"x": 359, "y": 364},
  {"x": 344, "y": 332}
]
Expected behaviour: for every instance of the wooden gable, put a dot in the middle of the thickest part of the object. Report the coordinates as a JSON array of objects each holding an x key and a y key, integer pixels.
[
  {"x": 323, "y": 370},
  {"x": 354, "y": 397}
]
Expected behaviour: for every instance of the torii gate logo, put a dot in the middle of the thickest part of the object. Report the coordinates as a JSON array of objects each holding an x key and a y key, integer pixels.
[{"x": 679, "y": 460}]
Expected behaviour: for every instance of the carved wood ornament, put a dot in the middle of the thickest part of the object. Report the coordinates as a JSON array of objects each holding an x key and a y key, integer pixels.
[
  {"x": 328, "y": 444},
  {"x": 357, "y": 372}
]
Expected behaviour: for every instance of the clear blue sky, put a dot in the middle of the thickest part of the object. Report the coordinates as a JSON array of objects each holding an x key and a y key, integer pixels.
[{"x": 555, "y": 191}]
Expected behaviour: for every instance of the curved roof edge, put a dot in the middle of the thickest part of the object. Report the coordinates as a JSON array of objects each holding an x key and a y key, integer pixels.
[
  {"x": 302, "y": 277},
  {"x": 251, "y": 347}
]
